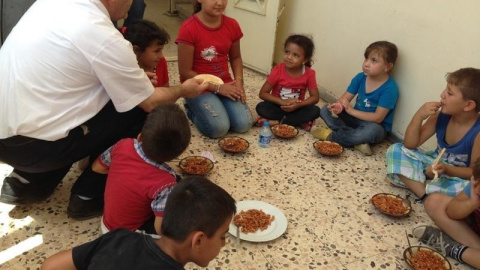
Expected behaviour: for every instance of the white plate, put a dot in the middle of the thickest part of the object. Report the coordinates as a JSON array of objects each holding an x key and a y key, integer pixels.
[{"x": 276, "y": 229}]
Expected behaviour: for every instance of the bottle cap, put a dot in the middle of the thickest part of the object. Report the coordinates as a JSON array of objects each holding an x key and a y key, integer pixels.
[{"x": 266, "y": 123}]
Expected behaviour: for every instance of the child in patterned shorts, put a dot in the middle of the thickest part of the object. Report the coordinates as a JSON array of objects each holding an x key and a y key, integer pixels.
[
  {"x": 459, "y": 221},
  {"x": 457, "y": 128}
]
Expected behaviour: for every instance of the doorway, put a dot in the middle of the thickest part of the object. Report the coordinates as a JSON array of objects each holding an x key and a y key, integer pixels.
[{"x": 169, "y": 15}]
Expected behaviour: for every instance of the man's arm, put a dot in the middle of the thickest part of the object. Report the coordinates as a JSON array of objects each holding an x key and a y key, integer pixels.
[{"x": 164, "y": 95}]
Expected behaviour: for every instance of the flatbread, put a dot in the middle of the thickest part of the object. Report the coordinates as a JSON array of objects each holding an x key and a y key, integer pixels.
[{"x": 209, "y": 78}]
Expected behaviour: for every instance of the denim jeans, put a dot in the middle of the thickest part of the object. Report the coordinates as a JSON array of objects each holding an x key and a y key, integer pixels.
[
  {"x": 349, "y": 131},
  {"x": 215, "y": 115},
  {"x": 273, "y": 111}
]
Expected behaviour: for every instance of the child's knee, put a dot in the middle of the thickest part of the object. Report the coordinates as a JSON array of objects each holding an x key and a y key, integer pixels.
[{"x": 435, "y": 205}]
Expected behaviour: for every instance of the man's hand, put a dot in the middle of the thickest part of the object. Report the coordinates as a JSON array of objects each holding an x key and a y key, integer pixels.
[{"x": 193, "y": 87}]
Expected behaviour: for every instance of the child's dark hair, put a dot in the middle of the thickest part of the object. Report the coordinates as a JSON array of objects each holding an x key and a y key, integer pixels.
[
  {"x": 476, "y": 169},
  {"x": 142, "y": 33},
  {"x": 166, "y": 133},
  {"x": 387, "y": 50},
  {"x": 196, "y": 204},
  {"x": 306, "y": 43},
  {"x": 197, "y": 7},
  {"x": 468, "y": 81}
]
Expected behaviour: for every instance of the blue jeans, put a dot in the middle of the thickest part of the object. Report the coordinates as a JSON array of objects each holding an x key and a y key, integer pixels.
[
  {"x": 215, "y": 115},
  {"x": 349, "y": 131}
]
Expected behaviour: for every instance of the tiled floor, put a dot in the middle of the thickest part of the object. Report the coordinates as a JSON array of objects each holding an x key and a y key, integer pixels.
[{"x": 331, "y": 224}]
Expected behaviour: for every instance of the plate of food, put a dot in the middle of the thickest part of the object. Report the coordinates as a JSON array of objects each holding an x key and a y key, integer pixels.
[
  {"x": 419, "y": 257},
  {"x": 196, "y": 165},
  {"x": 392, "y": 205},
  {"x": 233, "y": 144},
  {"x": 328, "y": 148},
  {"x": 258, "y": 221},
  {"x": 284, "y": 131}
]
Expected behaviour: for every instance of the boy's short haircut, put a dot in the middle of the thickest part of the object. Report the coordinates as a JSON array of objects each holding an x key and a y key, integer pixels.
[
  {"x": 166, "y": 133},
  {"x": 387, "y": 50},
  {"x": 468, "y": 81},
  {"x": 196, "y": 204},
  {"x": 142, "y": 33},
  {"x": 476, "y": 169}
]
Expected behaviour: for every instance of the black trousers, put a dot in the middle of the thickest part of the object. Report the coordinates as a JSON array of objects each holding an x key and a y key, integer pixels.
[
  {"x": 273, "y": 111},
  {"x": 47, "y": 162}
]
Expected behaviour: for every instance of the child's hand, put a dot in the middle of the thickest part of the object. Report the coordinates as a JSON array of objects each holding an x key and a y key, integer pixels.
[
  {"x": 336, "y": 108},
  {"x": 153, "y": 77},
  {"x": 346, "y": 104},
  {"x": 440, "y": 167},
  {"x": 475, "y": 190},
  {"x": 428, "y": 109},
  {"x": 231, "y": 91},
  {"x": 290, "y": 105}
]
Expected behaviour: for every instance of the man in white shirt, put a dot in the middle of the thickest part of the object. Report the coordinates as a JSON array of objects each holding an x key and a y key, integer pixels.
[{"x": 70, "y": 87}]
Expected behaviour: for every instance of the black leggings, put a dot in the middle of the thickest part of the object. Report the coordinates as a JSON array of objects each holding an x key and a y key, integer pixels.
[{"x": 47, "y": 162}]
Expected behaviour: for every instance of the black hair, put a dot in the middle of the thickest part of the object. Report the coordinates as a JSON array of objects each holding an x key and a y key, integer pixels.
[
  {"x": 196, "y": 204},
  {"x": 387, "y": 50},
  {"x": 306, "y": 43},
  {"x": 468, "y": 81},
  {"x": 142, "y": 33},
  {"x": 197, "y": 7},
  {"x": 166, "y": 133}
]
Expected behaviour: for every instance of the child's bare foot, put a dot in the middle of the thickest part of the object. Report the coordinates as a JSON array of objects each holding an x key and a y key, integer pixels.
[
  {"x": 260, "y": 120},
  {"x": 308, "y": 125}
]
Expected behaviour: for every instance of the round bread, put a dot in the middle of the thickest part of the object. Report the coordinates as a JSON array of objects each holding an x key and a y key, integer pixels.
[{"x": 209, "y": 78}]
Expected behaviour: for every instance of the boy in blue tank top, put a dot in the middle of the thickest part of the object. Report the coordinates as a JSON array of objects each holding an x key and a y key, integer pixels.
[{"x": 456, "y": 122}]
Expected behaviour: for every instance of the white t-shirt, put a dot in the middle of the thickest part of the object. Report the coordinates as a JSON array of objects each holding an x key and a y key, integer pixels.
[{"x": 60, "y": 65}]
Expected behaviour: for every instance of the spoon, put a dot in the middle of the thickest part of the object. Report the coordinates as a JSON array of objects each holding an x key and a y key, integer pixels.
[
  {"x": 283, "y": 118},
  {"x": 238, "y": 236},
  {"x": 409, "y": 245},
  {"x": 435, "y": 162}
]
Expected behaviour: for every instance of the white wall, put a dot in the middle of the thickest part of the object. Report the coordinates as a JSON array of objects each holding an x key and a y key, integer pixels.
[{"x": 433, "y": 37}]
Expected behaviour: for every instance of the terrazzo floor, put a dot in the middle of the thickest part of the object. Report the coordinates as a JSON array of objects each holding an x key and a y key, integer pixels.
[{"x": 331, "y": 223}]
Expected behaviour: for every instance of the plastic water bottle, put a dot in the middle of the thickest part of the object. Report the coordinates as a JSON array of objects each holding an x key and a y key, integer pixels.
[{"x": 265, "y": 135}]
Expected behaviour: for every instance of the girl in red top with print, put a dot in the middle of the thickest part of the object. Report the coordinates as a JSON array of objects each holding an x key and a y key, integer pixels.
[
  {"x": 148, "y": 41},
  {"x": 284, "y": 92},
  {"x": 207, "y": 42}
]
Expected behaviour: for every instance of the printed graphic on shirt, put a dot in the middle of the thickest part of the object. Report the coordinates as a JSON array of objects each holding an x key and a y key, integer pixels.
[
  {"x": 367, "y": 103},
  {"x": 209, "y": 53},
  {"x": 290, "y": 93},
  {"x": 458, "y": 160}
]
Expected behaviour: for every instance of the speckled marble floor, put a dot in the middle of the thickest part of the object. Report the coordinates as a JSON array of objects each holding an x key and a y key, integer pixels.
[{"x": 331, "y": 224}]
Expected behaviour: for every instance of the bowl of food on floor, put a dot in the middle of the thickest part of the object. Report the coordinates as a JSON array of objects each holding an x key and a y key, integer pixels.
[
  {"x": 420, "y": 257},
  {"x": 391, "y": 204},
  {"x": 328, "y": 148},
  {"x": 233, "y": 144},
  {"x": 196, "y": 165},
  {"x": 284, "y": 131}
]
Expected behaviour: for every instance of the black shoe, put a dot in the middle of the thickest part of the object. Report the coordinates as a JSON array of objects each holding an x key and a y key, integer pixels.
[
  {"x": 84, "y": 209},
  {"x": 17, "y": 193}
]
